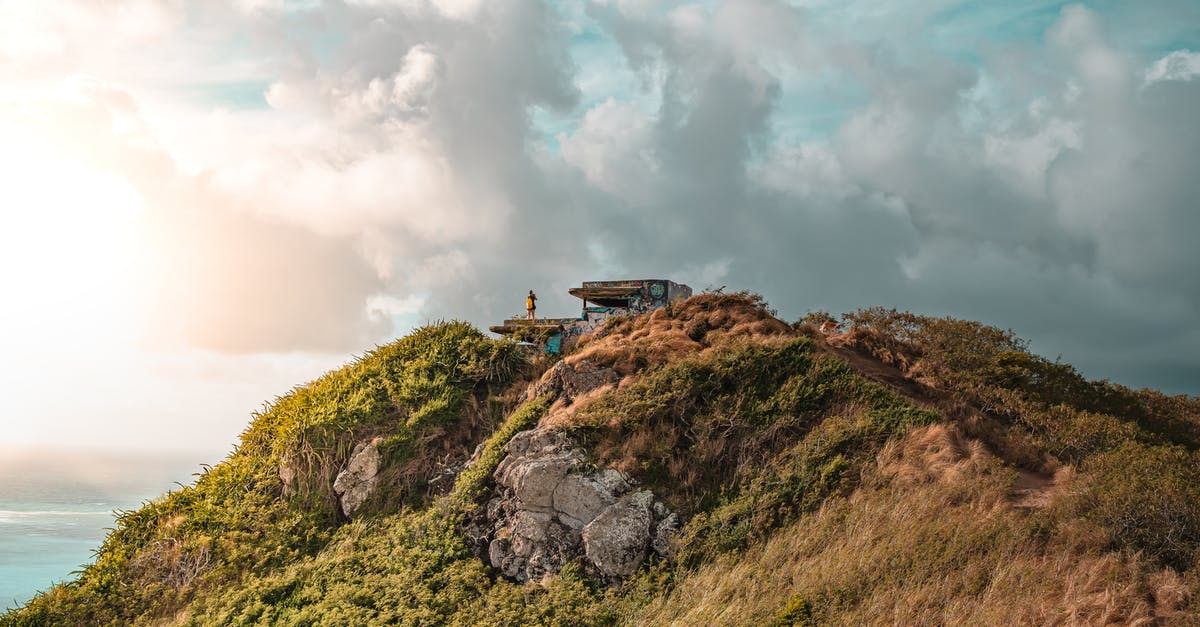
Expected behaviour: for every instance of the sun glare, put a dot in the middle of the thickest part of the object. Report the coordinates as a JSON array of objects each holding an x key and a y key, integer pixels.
[
  {"x": 69, "y": 265},
  {"x": 67, "y": 243}
]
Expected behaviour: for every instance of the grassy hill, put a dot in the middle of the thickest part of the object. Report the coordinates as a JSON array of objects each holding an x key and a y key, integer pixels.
[{"x": 910, "y": 470}]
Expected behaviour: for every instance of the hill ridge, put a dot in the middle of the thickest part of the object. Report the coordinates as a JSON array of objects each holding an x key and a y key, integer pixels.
[{"x": 909, "y": 469}]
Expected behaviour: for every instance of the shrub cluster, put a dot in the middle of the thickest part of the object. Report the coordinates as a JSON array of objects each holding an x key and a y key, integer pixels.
[{"x": 1137, "y": 449}]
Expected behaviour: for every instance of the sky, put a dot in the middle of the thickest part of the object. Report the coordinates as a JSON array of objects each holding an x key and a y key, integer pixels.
[{"x": 206, "y": 203}]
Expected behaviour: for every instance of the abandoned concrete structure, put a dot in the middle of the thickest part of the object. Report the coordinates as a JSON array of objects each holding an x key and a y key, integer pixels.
[{"x": 601, "y": 301}]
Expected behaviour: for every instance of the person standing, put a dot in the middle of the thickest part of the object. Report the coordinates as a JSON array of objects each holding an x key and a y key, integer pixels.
[{"x": 531, "y": 306}]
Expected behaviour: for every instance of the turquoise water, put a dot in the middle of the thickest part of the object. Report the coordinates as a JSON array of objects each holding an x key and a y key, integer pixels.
[{"x": 55, "y": 508}]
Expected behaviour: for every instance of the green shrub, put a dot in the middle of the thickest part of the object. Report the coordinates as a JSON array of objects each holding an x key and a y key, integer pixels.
[
  {"x": 994, "y": 369},
  {"x": 1148, "y": 498},
  {"x": 797, "y": 613}
]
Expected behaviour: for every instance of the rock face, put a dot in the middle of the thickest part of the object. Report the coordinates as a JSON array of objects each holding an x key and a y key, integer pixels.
[
  {"x": 571, "y": 382},
  {"x": 617, "y": 539},
  {"x": 288, "y": 475},
  {"x": 354, "y": 484},
  {"x": 551, "y": 508}
]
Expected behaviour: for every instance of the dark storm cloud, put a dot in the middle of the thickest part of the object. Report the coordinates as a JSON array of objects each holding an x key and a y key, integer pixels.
[{"x": 1071, "y": 219}]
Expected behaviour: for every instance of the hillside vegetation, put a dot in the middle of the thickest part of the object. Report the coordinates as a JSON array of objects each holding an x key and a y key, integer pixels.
[{"x": 910, "y": 470}]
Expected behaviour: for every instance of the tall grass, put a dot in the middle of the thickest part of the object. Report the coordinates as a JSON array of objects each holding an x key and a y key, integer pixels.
[{"x": 929, "y": 554}]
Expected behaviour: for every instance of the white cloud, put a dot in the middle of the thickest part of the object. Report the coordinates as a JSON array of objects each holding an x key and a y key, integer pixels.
[
  {"x": 615, "y": 147},
  {"x": 1179, "y": 65},
  {"x": 455, "y": 9},
  {"x": 386, "y": 306}
]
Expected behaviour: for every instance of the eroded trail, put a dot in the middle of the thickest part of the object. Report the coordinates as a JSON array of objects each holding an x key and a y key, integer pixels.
[
  {"x": 1031, "y": 490},
  {"x": 884, "y": 374}
]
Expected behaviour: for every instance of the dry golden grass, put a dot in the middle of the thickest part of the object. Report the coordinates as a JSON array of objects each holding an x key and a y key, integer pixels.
[
  {"x": 931, "y": 540},
  {"x": 934, "y": 453},
  {"x": 1170, "y": 593},
  {"x": 562, "y": 412},
  {"x": 957, "y": 523},
  {"x": 882, "y": 347},
  {"x": 699, "y": 323}
]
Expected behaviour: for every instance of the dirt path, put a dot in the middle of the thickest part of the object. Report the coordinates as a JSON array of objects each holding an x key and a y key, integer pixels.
[
  {"x": 1031, "y": 490},
  {"x": 884, "y": 374}
]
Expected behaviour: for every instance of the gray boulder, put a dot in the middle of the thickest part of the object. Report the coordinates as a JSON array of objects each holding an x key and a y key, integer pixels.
[
  {"x": 536, "y": 443},
  {"x": 616, "y": 541},
  {"x": 550, "y": 383},
  {"x": 356, "y": 483},
  {"x": 534, "y": 481},
  {"x": 550, "y": 508},
  {"x": 664, "y": 536},
  {"x": 289, "y": 473},
  {"x": 579, "y": 499}
]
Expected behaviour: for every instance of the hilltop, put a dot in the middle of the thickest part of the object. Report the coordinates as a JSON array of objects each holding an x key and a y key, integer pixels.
[{"x": 706, "y": 463}]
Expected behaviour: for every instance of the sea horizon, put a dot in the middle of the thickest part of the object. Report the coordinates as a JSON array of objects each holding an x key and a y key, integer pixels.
[{"x": 58, "y": 504}]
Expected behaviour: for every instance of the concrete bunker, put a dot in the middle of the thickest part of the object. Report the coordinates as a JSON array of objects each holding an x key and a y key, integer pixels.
[{"x": 601, "y": 301}]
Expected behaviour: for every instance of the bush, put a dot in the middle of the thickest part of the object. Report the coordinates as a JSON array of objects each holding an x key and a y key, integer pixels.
[
  {"x": 993, "y": 369},
  {"x": 1148, "y": 498},
  {"x": 797, "y": 613}
]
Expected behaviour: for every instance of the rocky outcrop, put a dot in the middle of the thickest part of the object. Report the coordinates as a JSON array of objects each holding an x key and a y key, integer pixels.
[
  {"x": 616, "y": 541},
  {"x": 289, "y": 473},
  {"x": 551, "y": 508},
  {"x": 571, "y": 382},
  {"x": 356, "y": 483}
]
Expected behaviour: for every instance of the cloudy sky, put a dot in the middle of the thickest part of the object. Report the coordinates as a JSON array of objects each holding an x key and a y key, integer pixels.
[{"x": 205, "y": 203}]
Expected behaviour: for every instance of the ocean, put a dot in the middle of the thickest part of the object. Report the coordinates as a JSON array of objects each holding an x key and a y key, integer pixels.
[{"x": 57, "y": 506}]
